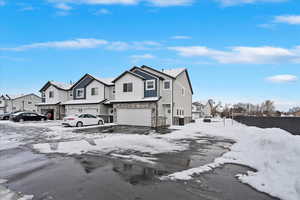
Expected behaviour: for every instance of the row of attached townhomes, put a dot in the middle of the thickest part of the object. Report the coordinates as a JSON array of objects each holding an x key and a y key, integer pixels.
[
  {"x": 141, "y": 96},
  {"x": 12, "y": 103}
]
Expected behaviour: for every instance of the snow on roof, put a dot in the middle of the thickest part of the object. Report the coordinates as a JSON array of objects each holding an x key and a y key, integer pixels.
[
  {"x": 77, "y": 102},
  {"x": 46, "y": 104},
  {"x": 173, "y": 72},
  {"x": 15, "y": 96},
  {"x": 64, "y": 86},
  {"x": 107, "y": 81}
]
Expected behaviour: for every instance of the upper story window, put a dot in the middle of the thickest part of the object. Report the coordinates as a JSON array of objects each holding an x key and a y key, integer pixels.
[
  {"x": 80, "y": 93},
  {"x": 51, "y": 94},
  {"x": 150, "y": 85},
  {"x": 167, "y": 84},
  {"x": 43, "y": 95},
  {"x": 0, "y": 102},
  {"x": 127, "y": 87},
  {"x": 29, "y": 102},
  {"x": 94, "y": 91},
  {"x": 183, "y": 91}
]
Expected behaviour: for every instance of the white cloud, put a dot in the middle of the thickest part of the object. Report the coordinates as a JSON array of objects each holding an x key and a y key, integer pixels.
[
  {"x": 103, "y": 11},
  {"x": 2, "y": 3},
  {"x": 143, "y": 56},
  {"x": 180, "y": 37},
  {"x": 63, "y": 6},
  {"x": 283, "y": 78},
  {"x": 158, "y": 3},
  {"x": 288, "y": 19},
  {"x": 165, "y": 3},
  {"x": 27, "y": 8},
  {"x": 84, "y": 43},
  {"x": 247, "y": 55},
  {"x": 68, "y": 44},
  {"x": 237, "y": 2}
]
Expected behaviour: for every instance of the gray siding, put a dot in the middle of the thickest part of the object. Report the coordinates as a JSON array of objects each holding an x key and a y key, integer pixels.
[
  {"x": 148, "y": 93},
  {"x": 82, "y": 84}
]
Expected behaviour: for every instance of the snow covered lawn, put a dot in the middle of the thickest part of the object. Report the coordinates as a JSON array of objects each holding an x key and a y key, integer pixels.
[{"x": 274, "y": 153}]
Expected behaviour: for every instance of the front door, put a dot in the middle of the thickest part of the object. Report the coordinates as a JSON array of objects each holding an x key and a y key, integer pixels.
[{"x": 167, "y": 113}]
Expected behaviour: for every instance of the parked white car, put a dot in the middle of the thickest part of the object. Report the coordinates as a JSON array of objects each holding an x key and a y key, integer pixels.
[{"x": 82, "y": 120}]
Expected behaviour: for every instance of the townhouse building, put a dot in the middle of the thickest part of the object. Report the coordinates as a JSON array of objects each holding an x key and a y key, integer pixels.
[{"x": 22, "y": 102}]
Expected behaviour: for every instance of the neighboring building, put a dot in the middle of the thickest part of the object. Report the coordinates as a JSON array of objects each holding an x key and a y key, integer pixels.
[
  {"x": 147, "y": 97},
  {"x": 296, "y": 114},
  {"x": 201, "y": 109},
  {"x": 87, "y": 95},
  {"x": 90, "y": 95},
  {"x": 197, "y": 110},
  {"x": 22, "y": 102},
  {"x": 53, "y": 94}
]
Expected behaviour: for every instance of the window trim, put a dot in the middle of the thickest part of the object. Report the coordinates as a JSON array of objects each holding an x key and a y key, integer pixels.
[
  {"x": 127, "y": 87},
  {"x": 51, "y": 96},
  {"x": 150, "y": 81},
  {"x": 96, "y": 90},
  {"x": 169, "y": 84},
  {"x": 76, "y": 94}
]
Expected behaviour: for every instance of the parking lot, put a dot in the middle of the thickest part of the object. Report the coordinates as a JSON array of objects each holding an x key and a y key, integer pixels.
[{"x": 44, "y": 160}]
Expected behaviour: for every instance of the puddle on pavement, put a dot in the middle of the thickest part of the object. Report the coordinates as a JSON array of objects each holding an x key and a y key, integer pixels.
[{"x": 93, "y": 177}]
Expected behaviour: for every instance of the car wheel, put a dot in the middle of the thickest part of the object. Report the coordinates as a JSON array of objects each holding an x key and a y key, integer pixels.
[
  {"x": 100, "y": 122},
  {"x": 21, "y": 120},
  {"x": 79, "y": 124}
]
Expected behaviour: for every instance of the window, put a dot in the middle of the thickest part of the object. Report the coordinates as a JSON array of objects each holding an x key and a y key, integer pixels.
[
  {"x": 80, "y": 93},
  {"x": 71, "y": 93},
  {"x": 127, "y": 87},
  {"x": 94, "y": 91},
  {"x": 43, "y": 95},
  {"x": 150, "y": 85},
  {"x": 183, "y": 91},
  {"x": 51, "y": 94},
  {"x": 80, "y": 110},
  {"x": 0, "y": 102},
  {"x": 167, "y": 85},
  {"x": 29, "y": 102}
]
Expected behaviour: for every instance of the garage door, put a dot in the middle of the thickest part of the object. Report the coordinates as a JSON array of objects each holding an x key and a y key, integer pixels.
[{"x": 135, "y": 117}]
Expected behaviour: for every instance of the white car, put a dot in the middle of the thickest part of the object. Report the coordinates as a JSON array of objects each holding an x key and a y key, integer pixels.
[{"x": 82, "y": 120}]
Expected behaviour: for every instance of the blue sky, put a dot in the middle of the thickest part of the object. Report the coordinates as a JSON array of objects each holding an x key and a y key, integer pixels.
[{"x": 235, "y": 50}]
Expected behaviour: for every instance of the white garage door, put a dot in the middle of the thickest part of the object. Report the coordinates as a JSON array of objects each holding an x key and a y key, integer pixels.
[{"x": 135, "y": 117}]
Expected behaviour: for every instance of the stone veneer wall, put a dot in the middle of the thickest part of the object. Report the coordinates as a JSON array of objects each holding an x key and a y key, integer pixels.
[{"x": 138, "y": 105}]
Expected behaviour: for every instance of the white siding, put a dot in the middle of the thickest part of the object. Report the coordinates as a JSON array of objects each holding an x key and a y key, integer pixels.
[
  {"x": 27, "y": 103},
  {"x": 95, "y": 84},
  {"x": 78, "y": 109},
  {"x": 137, "y": 85},
  {"x": 59, "y": 95},
  {"x": 183, "y": 102}
]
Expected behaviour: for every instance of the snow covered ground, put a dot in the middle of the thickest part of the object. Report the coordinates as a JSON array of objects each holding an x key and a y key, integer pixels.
[
  {"x": 274, "y": 153},
  {"x": 7, "y": 194}
]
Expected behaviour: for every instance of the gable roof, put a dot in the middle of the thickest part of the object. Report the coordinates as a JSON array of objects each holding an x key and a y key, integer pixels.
[
  {"x": 104, "y": 81},
  {"x": 147, "y": 72},
  {"x": 128, "y": 72},
  {"x": 16, "y": 96},
  {"x": 58, "y": 85},
  {"x": 173, "y": 73},
  {"x": 160, "y": 72}
]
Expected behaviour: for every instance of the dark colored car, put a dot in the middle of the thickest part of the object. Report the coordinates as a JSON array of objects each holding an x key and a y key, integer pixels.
[
  {"x": 207, "y": 119},
  {"x": 5, "y": 116},
  {"x": 27, "y": 116}
]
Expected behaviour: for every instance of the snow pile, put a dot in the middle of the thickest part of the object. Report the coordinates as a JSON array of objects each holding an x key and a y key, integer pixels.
[
  {"x": 7, "y": 194},
  {"x": 115, "y": 143},
  {"x": 149, "y": 160},
  {"x": 273, "y": 152}
]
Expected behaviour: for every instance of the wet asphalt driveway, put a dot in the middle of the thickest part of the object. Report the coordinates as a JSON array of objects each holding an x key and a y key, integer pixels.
[{"x": 92, "y": 177}]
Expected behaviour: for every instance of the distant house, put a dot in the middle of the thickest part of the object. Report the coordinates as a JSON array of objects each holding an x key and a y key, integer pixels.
[
  {"x": 296, "y": 114},
  {"x": 201, "y": 109},
  {"x": 145, "y": 96},
  {"x": 22, "y": 102},
  {"x": 88, "y": 95}
]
